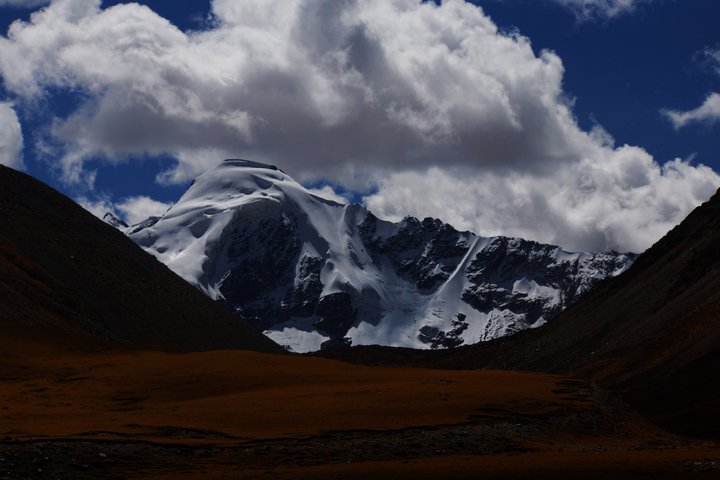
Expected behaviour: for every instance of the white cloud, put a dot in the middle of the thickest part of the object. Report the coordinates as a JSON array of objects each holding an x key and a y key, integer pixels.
[
  {"x": 624, "y": 201},
  {"x": 326, "y": 83},
  {"x": 599, "y": 9},
  {"x": 11, "y": 137},
  {"x": 23, "y": 3},
  {"x": 136, "y": 209},
  {"x": 352, "y": 90},
  {"x": 98, "y": 207},
  {"x": 328, "y": 193},
  {"x": 132, "y": 209},
  {"x": 709, "y": 111}
]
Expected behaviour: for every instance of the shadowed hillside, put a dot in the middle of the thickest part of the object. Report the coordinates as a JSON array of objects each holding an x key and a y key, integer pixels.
[
  {"x": 653, "y": 333},
  {"x": 62, "y": 267}
]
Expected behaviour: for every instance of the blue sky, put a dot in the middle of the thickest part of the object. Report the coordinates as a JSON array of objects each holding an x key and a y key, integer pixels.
[
  {"x": 556, "y": 171},
  {"x": 625, "y": 70}
]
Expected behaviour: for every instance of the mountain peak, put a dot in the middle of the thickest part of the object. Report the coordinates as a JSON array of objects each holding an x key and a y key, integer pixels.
[
  {"x": 311, "y": 272},
  {"x": 239, "y": 162},
  {"x": 111, "y": 219}
]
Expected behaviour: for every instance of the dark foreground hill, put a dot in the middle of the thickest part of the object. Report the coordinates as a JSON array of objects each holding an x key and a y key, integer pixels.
[
  {"x": 60, "y": 267},
  {"x": 652, "y": 333}
]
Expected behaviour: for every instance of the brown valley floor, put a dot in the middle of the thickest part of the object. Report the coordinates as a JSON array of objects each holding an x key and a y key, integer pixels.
[{"x": 70, "y": 410}]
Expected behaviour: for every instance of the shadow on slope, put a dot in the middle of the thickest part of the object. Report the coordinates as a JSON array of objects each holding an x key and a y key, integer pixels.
[{"x": 62, "y": 267}]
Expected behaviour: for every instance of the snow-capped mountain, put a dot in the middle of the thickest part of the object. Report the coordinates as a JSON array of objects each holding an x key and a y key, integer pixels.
[
  {"x": 311, "y": 272},
  {"x": 114, "y": 221}
]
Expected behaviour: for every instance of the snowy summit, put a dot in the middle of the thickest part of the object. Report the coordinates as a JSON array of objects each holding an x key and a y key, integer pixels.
[{"x": 313, "y": 273}]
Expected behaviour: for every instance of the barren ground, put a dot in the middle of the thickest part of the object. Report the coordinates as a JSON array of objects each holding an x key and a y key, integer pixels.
[{"x": 69, "y": 411}]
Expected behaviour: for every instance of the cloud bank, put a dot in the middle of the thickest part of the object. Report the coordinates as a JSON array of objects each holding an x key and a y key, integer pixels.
[
  {"x": 324, "y": 83},
  {"x": 422, "y": 101},
  {"x": 624, "y": 202},
  {"x": 11, "y": 137}
]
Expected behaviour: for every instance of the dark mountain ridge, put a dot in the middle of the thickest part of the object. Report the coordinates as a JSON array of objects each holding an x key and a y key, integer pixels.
[{"x": 64, "y": 269}]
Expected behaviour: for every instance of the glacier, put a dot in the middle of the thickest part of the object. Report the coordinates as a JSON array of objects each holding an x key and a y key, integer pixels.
[{"x": 313, "y": 273}]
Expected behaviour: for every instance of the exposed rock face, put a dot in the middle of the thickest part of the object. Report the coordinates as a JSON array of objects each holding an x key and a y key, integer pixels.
[
  {"x": 426, "y": 251},
  {"x": 533, "y": 279},
  {"x": 316, "y": 273}
]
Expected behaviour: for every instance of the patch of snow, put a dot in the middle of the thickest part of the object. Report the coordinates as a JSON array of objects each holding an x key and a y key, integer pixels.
[{"x": 297, "y": 336}]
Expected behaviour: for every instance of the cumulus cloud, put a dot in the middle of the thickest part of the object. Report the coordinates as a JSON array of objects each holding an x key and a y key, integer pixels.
[
  {"x": 387, "y": 91},
  {"x": 625, "y": 201},
  {"x": 322, "y": 82},
  {"x": 11, "y": 137},
  {"x": 132, "y": 209}
]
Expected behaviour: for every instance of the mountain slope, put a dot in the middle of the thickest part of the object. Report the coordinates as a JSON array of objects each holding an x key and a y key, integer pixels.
[
  {"x": 652, "y": 333},
  {"x": 658, "y": 317},
  {"x": 60, "y": 267},
  {"x": 314, "y": 273}
]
